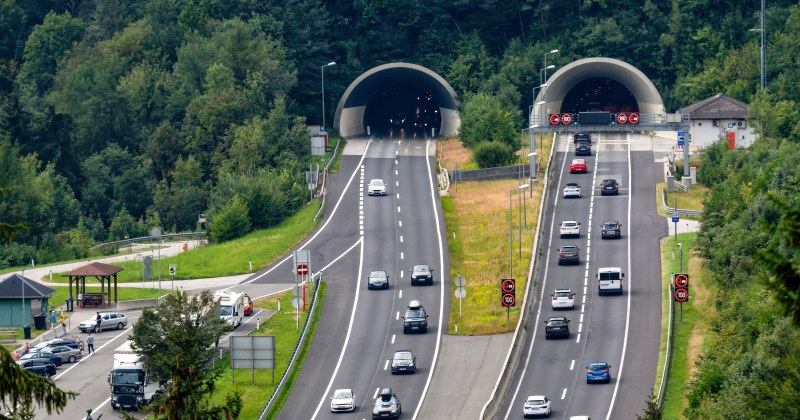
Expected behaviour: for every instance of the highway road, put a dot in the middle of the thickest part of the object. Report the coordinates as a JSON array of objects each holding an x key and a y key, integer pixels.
[
  {"x": 360, "y": 329},
  {"x": 621, "y": 330}
]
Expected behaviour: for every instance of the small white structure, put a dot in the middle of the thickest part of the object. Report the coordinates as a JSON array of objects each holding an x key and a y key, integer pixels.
[{"x": 718, "y": 117}]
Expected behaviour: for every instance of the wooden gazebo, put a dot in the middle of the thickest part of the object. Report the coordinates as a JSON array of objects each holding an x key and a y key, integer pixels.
[{"x": 103, "y": 273}]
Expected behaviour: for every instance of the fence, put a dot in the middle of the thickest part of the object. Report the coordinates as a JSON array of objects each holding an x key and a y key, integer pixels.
[
  {"x": 671, "y": 210},
  {"x": 500, "y": 172}
]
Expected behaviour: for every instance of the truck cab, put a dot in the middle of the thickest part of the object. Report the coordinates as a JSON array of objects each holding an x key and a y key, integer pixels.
[{"x": 131, "y": 385}]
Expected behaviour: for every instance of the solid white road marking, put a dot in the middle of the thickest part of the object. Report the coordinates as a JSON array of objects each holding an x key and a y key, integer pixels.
[{"x": 581, "y": 320}]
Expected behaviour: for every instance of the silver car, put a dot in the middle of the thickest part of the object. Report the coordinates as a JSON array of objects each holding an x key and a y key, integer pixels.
[
  {"x": 108, "y": 321},
  {"x": 67, "y": 354}
]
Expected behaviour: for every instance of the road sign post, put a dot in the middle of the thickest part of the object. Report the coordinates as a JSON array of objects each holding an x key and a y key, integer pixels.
[
  {"x": 460, "y": 291},
  {"x": 508, "y": 297},
  {"x": 681, "y": 287}
]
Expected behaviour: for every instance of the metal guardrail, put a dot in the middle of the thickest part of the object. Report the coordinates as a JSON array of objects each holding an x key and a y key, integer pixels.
[
  {"x": 662, "y": 388},
  {"x": 152, "y": 238},
  {"x": 512, "y": 360},
  {"x": 671, "y": 210},
  {"x": 325, "y": 180},
  {"x": 680, "y": 186},
  {"x": 297, "y": 348}
]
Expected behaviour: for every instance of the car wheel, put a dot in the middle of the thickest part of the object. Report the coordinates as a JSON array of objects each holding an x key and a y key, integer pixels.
[
  {"x": 120, "y": 326},
  {"x": 72, "y": 359}
]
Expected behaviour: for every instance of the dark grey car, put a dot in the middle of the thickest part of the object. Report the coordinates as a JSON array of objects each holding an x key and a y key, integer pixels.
[
  {"x": 556, "y": 326},
  {"x": 569, "y": 254},
  {"x": 378, "y": 280},
  {"x": 421, "y": 274}
]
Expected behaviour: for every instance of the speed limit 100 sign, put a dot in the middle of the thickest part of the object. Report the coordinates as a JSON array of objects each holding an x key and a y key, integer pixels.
[
  {"x": 681, "y": 295},
  {"x": 509, "y": 300}
]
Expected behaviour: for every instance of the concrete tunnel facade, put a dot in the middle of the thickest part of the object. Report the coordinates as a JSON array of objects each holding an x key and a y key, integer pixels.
[{"x": 356, "y": 109}]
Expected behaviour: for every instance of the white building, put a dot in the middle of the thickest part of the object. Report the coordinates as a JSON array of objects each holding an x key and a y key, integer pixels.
[{"x": 718, "y": 117}]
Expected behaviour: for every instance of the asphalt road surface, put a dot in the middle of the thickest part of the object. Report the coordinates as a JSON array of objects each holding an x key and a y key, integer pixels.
[
  {"x": 620, "y": 330},
  {"x": 360, "y": 329}
]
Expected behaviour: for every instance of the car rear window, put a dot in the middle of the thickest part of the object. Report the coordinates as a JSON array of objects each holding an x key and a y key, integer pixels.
[
  {"x": 562, "y": 294},
  {"x": 609, "y": 276}
]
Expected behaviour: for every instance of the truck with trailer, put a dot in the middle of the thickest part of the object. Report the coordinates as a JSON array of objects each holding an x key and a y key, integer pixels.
[{"x": 131, "y": 385}]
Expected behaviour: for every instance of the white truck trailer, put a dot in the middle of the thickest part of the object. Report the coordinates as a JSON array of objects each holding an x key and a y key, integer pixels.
[{"x": 131, "y": 385}]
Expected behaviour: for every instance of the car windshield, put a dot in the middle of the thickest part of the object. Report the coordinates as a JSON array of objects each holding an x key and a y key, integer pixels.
[
  {"x": 127, "y": 377},
  {"x": 402, "y": 356},
  {"x": 378, "y": 275},
  {"x": 421, "y": 269},
  {"x": 411, "y": 313},
  {"x": 226, "y": 310},
  {"x": 376, "y": 183},
  {"x": 342, "y": 394}
]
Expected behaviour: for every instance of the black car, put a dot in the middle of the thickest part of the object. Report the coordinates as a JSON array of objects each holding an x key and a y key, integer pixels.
[
  {"x": 41, "y": 367},
  {"x": 378, "y": 279},
  {"x": 421, "y": 274},
  {"x": 387, "y": 405},
  {"x": 609, "y": 186},
  {"x": 569, "y": 254},
  {"x": 56, "y": 359},
  {"x": 611, "y": 229},
  {"x": 583, "y": 149},
  {"x": 582, "y": 136},
  {"x": 415, "y": 318},
  {"x": 556, "y": 326},
  {"x": 404, "y": 361}
]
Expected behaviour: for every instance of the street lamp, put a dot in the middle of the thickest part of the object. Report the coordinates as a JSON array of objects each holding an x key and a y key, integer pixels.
[
  {"x": 511, "y": 229},
  {"x": 533, "y": 177},
  {"x": 545, "y": 69},
  {"x": 521, "y": 192},
  {"x": 322, "y": 72},
  {"x": 763, "y": 32}
]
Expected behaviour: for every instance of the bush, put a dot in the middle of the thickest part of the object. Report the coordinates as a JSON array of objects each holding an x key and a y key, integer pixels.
[
  {"x": 230, "y": 222},
  {"x": 489, "y": 154},
  {"x": 16, "y": 255}
]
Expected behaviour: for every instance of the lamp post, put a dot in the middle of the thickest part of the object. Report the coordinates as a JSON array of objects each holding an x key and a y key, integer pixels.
[
  {"x": 534, "y": 168},
  {"x": 763, "y": 32},
  {"x": 521, "y": 192},
  {"x": 322, "y": 73},
  {"x": 545, "y": 68}
]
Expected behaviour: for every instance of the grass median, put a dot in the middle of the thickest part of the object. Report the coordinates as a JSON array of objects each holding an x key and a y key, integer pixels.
[
  {"x": 689, "y": 333},
  {"x": 694, "y": 199},
  {"x": 482, "y": 238}
]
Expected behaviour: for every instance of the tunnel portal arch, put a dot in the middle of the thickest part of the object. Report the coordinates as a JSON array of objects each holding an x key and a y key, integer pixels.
[
  {"x": 579, "y": 86},
  {"x": 398, "y": 96}
]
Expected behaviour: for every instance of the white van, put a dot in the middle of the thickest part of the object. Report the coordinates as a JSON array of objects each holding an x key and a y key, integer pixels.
[
  {"x": 609, "y": 280},
  {"x": 231, "y": 307}
]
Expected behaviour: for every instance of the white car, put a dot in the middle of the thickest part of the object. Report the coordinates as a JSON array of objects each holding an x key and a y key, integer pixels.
[
  {"x": 343, "y": 400},
  {"x": 536, "y": 405},
  {"x": 108, "y": 320},
  {"x": 376, "y": 187},
  {"x": 570, "y": 228},
  {"x": 572, "y": 190},
  {"x": 563, "y": 299}
]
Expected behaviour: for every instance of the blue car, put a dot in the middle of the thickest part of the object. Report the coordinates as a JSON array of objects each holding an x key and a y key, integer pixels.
[{"x": 598, "y": 372}]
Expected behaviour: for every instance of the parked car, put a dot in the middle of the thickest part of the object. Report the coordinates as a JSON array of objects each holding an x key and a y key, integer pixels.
[
  {"x": 609, "y": 186},
  {"x": 598, "y": 372},
  {"x": 578, "y": 165},
  {"x": 563, "y": 299},
  {"x": 41, "y": 367},
  {"x": 583, "y": 149},
  {"x": 377, "y": 280},
  {"x": 556, "y": 326},
  {"x": 343, "y": 400},
  {"x": 67, "y": 354},
  {"x": 570, "y": 228},
  {"x": 56, "y": 342},
  {"x": 572, "y": 190},
  {"x": 536, "y": 405},
  {"x": 43, "y": 355},
  {"x": 415, "y": 318},
  {"x": 421, "y": 274},
  {"x": 404, "y": 361},
  {"x": 387, "y": 405},
  {"x": 376, "y": 187},
  {"x": 108, "y": 321},
  {"x": 611, "y": 229},
  {"x": 569, "y": 254}
]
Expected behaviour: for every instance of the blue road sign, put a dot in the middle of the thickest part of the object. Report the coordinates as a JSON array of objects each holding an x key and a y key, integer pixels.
[
  {"x": 675, "y": 218},
  {"x": 681, "y": 137}
]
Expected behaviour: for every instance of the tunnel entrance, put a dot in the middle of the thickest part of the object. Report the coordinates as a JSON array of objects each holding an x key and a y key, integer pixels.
[
  {"x": 403, "y": 110},
  {"x": 599, "y": 94}
]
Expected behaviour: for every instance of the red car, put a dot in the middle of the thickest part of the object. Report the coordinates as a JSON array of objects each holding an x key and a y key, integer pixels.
[
  {"x": 578, "y": 165},
  {"x": 248, "y": 305}
]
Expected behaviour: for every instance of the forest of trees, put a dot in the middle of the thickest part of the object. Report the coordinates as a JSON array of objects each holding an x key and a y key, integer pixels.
[{"x": 120, "y": 115}]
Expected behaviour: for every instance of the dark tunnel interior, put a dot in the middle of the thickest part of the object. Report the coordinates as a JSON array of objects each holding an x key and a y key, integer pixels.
[
  {"x": 402, "y": 110},
  {"x": 599, "y": 94}
]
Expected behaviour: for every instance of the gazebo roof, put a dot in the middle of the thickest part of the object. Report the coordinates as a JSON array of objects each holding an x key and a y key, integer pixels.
[
  {"x": 94, "y": 269},
  {"x": 10, "y": 287}
]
